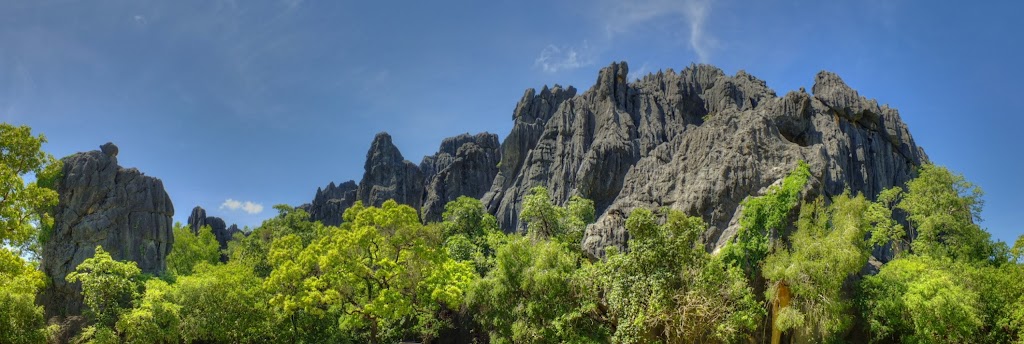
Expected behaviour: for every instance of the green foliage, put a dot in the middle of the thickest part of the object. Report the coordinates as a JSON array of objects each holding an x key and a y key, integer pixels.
[
  {"x": 761, "y": 217},
  {"x": 24, "y": 208},
  {"x": 827, "y": 248},
  {"x": 943, "y": 208},
  {"x": 221, "y": 303},
  {"x": 190, "y": 249},
  {"x": 544, "y": 219},
  {"x": 155, "y": 317},
  {"x": 667, "y": 288},
  {"x": 21, "y": 320},
  {"x": 108, "y": 286},
  {"x": 471, "y": 234},
  {"x": 536, "y": 294},
  {"x": 382, "y": 277},
  {"x": 919, "y": 299}
]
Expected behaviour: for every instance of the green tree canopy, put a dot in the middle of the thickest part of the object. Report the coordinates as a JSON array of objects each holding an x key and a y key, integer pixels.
[
  {"x": 667, "y": 288},
  {"x": 108, "y": 286},
  {"x": 192, "y": 248}
]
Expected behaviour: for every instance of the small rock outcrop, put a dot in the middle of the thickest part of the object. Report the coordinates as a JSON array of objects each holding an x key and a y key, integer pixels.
[
  {"x": 330, "y": 202},
  {"x": 220, "y": 229},
  {"x": 465, "y": 165},
  {"x": 389, "y": 176},
  {"x": 102, "y": 204}
]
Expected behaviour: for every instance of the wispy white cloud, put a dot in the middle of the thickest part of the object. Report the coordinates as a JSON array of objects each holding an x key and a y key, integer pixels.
[
  {"x": 626, "y": 16},
  {"x": 554, "y": 58},
  {"x": 248, "y": 206}
]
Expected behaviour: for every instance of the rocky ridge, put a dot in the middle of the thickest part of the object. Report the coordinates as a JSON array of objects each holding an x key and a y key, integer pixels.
[{"x": 696, "y": 140}]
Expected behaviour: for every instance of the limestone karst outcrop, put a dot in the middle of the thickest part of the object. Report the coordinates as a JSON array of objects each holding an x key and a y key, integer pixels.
[
  {"x": 220, "y": 229},
  {"x": 103, "y": 204},
  {"x": 330, "y": 202},
  {"x": 389, "y": 176},
  {"x": 465, "y": 165},
  {"x": 697, "y": 140}
]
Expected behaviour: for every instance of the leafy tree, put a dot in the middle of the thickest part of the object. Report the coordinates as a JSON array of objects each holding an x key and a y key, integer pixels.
[
  {"x": 25, "y": 221},
  {"x": 763, "y": 217},
  {"x": 536, "y": 294},
  {"x": 471, "y": 234},
  {"x": 192, "y": 248},
  {"x": 943, "y": 208},
  {"x": 919, "y": 299},
  {"x": 806, "y": 280},
  {"x": 155, "y": 317},
  {"x": 24, "y": 208},
  {"x": 382, "y": 276},
  {"x": 222, "y": 303},
  {"x": 544, "y": 219},
  {"x": 467, "y": 216},
  {"x": 108, "y": 286},
  {"x": 21, "y": 320},
  {"x": 667, "y": 288}
]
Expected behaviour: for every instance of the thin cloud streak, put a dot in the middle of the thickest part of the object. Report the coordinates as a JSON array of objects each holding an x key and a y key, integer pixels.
[
  {"x": 623, "y": 17},
  {"x": 553, "y": 58}
]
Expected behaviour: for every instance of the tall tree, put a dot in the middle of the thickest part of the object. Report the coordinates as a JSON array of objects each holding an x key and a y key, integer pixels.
[
  {"x": 667, "y": 288},
  {"x": 192, "y": 248}
]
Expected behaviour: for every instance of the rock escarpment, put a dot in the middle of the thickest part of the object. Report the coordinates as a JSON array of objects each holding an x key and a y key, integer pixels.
[
  {"x": 220, "y": 229},
  {"x": 102, "y": 204}
]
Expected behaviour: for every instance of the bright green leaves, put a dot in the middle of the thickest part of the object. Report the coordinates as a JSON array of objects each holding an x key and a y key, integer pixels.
[
  {"x": 536, "y": 294},
  {"x": 221, "y": 303},
  {"x": 667, "y": 288},
  {"x": 763, "y": 217},
  {"x": 383, "y": 276},
  {"x": 154, "y": 319},
  {"x": 920, "y": 300},
  {"x": 192, "y": 248},
  {"x": 21, "y": 320},
  {"x": 108, "y": 286},
  {"x": 943, "y": 208},
  {"x": 827, "y": 248},
  {"x": 544, "y": 219},
  {"x": 24, "y": 208}
]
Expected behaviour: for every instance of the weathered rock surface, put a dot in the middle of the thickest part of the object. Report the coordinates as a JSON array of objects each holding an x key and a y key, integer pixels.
[
  {"x": 529, "y": 118},
  {"x": 699, "y": 141},
  {"x": 103, "y": 204},
  {"x": 389, "y": 176},
  {"x": 220, "y": 229},
  {"x": 465, "y": 165},
  {"x": 330, "y": 203}
]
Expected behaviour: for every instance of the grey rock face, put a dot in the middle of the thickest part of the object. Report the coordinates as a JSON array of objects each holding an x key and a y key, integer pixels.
[
  {"x": 330, "y": 203},
  {"x": 464, "y": 166},
  {"x": 103, "y": 204},
  {"x": 529, "y": 118},
  {"x": 697, "y": 141},
  {"x": 220, "y": 229},
  {"x": 389, "y": 176}
]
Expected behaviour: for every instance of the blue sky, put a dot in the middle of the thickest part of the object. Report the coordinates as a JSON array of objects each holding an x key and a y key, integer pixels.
[{"x": 261, "y": 102}]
